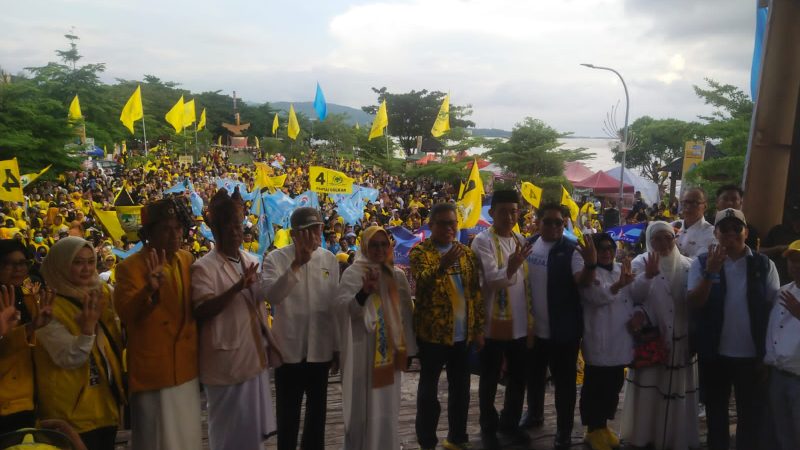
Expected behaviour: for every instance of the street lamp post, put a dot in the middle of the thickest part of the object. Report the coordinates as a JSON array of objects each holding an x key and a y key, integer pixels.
[{"x": 624, "y": 132}]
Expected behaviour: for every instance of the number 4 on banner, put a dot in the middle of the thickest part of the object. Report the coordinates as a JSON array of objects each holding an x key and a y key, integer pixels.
[{"x": 10, "y": 186}]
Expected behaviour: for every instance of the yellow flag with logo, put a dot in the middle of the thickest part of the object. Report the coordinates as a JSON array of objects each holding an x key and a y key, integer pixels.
[
  {"x": 189, "y": 114},
  {"x": 75, "y": 109},
  {"x": 275, "y": 125},
  {"x": 532, "y": 193},
  {"x": 29, "y": 178},
  {"x": 294, "y": 127},
  {"x": 381, "y": 121},
  {"x": 10, "y": 184},
  {"x": 469, "y": 205},
  {"x": 566, "y": 200},
  {"x": 132, "y": 111},
  {"x": 202, "y": 122},
  {"x": 442, "y": 124},
  {"x": 174, "y": 116},
  {"x": 329, "y": 181}
]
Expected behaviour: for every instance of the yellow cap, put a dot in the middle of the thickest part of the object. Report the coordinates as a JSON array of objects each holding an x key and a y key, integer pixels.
[{"x": 794, "y": 247}]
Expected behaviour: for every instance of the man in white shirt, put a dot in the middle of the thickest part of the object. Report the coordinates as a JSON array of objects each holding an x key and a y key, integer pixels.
[
  {"x": 731, "y": 289},
  {"x": 695, "y": 234},
  {"x": 509, "y": 323},
  {"x": 302, "y": 279},
  {"x": 783, "y": 355}
]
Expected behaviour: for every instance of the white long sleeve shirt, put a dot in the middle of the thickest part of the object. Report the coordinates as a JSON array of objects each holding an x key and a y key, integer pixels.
[
  {"x": 783, "y": 336},
  {"x": 606, "y": 340},
  {"x": 303, "y": 304},
  {"x": 694, "y": 240}
]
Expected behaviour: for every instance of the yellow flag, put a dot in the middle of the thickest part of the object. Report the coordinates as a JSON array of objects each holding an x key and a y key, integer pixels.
[
  {"x": 460, "y": 190},
  {"x": 124, "y": 147},
  {"x": 258, "y": 144},
  {"x": 329, "y": 181},
  {"x": 278, "y": 181},
  {"x": 219, "y": 141},
  {"x": 10, "y": 185},
  {"x": 189, "y": 114},
  {"x": 75, "y": 109},
  {"x": 263, "y": 171},
  {"x": 150, "y": 166},
  {"x": 358, "y": 127},
  {"x": 29, "y": 178},
  {"x": 174, "y": 116},
  {"x": 381, "y": 121},
  {"x": 442, "y": 124},
  {"x": 469, "y": 205},
  {"x": 567, "y": 201},
  {"x": 532, "y": 193},
  {"x": 294, "y": 127},
  {"x": 132, "y": 111},
  {"x": 275, "y": 125},
  {"x": 110, "y": 221},
  {"x": 202, "y": 123},
  {"x": 105, "y": 150}
]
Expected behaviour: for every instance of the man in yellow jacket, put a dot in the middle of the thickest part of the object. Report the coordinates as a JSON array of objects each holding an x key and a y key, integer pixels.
[{"x": 153, "y": 300}]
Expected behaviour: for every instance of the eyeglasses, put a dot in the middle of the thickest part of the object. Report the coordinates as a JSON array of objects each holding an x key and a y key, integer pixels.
[
  {"x": 446, "y": 223},
  {"x": 553, "y": 222}
]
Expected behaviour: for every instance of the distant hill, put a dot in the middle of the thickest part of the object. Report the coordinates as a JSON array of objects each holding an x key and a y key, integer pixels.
[
  {"x": 490, "y": 132},
  {"x": 354, "y": 115}
]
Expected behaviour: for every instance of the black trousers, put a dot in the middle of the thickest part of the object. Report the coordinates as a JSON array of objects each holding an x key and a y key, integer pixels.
[
  {"x": 720, "y": 375},
  {"x": 561, "y": 358},
  {"x": 454, "y": 359},
  {"x": 491, "y": 360},
  {"x": 292, "y": 381},
  {"x": 600, "y": 394},
  {"x": 100, "y": 439},
  {"x": 13, "y": 422}
]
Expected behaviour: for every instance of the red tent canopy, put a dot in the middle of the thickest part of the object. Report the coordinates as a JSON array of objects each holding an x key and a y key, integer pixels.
[
  {"x": 481, "y": 163},
  {"x": 426, "y": 159},
  {"x": 602, "y": 183},
  {"x": 575, "y": 171}
]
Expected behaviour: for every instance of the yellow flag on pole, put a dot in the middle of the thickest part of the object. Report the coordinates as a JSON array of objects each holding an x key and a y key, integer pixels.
[
  {"x": 329, "y": 181},
  {"x": 275, "y": 125},
  {"x": 174, "y": 116},
  {"x": 258, "y": 144},
  {"x": 532, "y": 193},
  {"x": 29, "y": 178},
  {"x": 189, "y": 114},
  {"x": 468, "y": 206},
  {"x": 75, "y": 109},
  {"x": 566, "y": 200},
  {"x": 294, "y": 127},
  {"x": 202, "y": 122},
  {"x": 10, "y": 185},
  {"x": 381, "y": 121},
  {"x": 132, "y": 111},
  {"x": 442, "y": 124}
]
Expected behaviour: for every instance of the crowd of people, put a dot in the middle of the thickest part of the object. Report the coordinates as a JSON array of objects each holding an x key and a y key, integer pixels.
[{"x": 101, "y": 342}]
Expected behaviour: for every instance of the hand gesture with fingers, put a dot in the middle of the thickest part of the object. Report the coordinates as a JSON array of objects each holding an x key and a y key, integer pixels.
[
  {"x": 371, "y": 281},
  {"x": 587, "y": 251},
  {"x": 93, "y": 306},
  {"x": 716, "y": 258},
  {"x": 9, "y": 316},
  {"x": 155, "y": 267},
  {"x": 451, "y": 257},
  {"x": 516, "y": 259},
  {"x": 626, "y": 274},
  {"x": 651, "y": 267},
  {"x": 303, "y": 247},
  {"x": 249, "y": 276},
  {"x": 44, "y": 302},
  {"x": 790, "y": 302}
]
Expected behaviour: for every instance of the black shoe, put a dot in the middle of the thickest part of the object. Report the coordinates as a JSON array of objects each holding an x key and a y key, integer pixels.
[
  {"x": 563, "y": 440},
  {"x": 489, "y": 441},
  {"x": 518, "y": 437},
  {"x": 530, "y": 421}
]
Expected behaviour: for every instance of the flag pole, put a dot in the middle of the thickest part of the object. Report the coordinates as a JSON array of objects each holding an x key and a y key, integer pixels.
[
  {"x": 144, "y": 133},
  {"x": 196, "y": 144}
]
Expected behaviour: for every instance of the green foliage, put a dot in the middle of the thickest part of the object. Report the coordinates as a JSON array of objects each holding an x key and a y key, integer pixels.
[
  {"x": 658, "y": 142},
  {"x": 533, "y": 151},
  {"x": 412, "y": 114},
  {"x": 730, "y": 120},
  {"x": 713, "y": 174}
]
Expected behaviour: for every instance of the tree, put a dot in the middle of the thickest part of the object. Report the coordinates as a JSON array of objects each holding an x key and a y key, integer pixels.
[
  {"x": 658, "y": 142},
  {"x": 413, "y": 113}
]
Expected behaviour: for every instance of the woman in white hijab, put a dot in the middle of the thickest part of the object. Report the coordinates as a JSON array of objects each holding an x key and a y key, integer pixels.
[
  {"x": 377, "y": 339},
  {"x": 660, "y": 407}
]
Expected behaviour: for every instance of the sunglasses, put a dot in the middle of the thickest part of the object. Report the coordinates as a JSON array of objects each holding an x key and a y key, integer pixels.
[{"x": 552, "y": 222}]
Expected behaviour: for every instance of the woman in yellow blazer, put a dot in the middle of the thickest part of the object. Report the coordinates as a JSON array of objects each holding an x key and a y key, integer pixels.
[
  {"x": 16, "y": 363},
  {"x": 78, "y": 356}
]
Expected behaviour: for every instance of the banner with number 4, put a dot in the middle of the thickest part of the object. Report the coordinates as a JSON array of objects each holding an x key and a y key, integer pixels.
[{"x": 10, "y": 186}]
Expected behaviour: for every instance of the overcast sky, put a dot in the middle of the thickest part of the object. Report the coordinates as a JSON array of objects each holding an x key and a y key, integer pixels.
[{"x": 508, "y": 58}]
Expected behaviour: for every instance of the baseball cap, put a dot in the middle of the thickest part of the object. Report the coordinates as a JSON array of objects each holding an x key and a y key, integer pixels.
[
  {"x": 305, "y": 217},
  {"x": 794, "y": 247},
  {"x": 729, "y": 213}
]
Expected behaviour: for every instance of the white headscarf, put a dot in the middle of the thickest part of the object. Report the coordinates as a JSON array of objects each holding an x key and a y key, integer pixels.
[
  {"x": 669, "y": 265},
  {"x": 56, "y": 266}
]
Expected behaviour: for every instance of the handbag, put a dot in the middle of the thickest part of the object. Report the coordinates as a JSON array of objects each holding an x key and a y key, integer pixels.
[{"x": 649, "y": 348}]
